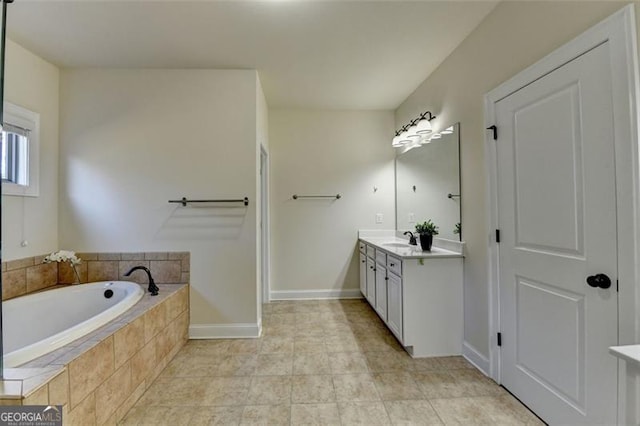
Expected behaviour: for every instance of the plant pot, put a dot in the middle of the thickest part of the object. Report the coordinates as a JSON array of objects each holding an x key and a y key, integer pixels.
[{"x": 425, "y": 241}]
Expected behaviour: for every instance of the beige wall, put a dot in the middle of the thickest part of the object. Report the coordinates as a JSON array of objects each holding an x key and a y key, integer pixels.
[
  {"x": 514, "y": 36},
  {"x": 326, "y": 152},
  {"x": 133, "y": 139},
  {"x": 32, "y": 83}
]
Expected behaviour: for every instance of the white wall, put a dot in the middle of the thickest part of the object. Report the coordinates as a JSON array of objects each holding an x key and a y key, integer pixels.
[
  {"x": 133, "y": 139},
  {"x": 327, "y": 152},
  {"x": 513, "y": 36},
  {"x": 32, "y": 83}
]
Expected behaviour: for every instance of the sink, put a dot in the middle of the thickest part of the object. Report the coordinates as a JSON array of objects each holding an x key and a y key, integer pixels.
[{"x": 399, "y": 245}]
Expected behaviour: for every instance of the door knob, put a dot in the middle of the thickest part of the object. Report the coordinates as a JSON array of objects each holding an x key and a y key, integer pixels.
[{"x": 599, "y": 280}]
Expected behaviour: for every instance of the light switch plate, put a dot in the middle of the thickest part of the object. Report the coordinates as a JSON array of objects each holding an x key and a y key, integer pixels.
[
  {"x": 412, "y": 218},
  {"x": 379, "y": 217}
]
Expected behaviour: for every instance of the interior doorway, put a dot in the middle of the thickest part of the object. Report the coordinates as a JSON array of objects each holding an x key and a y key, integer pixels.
[{"x": 264, "y": 225}]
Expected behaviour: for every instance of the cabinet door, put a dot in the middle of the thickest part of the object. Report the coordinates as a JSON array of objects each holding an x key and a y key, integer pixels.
[
  {"x": 381, "y": 291},
  {"x": 371, "y": 282},
  {"x": 363, "y": 274},
  {"x": 394, "y": 296}
]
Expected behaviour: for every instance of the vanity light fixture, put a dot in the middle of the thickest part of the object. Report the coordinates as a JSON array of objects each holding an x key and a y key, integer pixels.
[
  {"x": 447, "y": 131},
  {"x": 416, "y": 133},
  {"x": 412, "y": 132},
  {"x": 436, "y": 136},
  {"x": 423, "y": 127},
  {"x": 395, "y": 142},
  {"x": 402, "y": 137}
]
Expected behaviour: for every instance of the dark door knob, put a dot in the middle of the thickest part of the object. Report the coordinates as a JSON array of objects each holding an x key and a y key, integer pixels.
[{"x": 599, "y": 280}]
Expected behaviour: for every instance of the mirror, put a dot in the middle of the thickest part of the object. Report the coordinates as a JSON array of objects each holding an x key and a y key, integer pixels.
[{"x": 428, "y": 185}]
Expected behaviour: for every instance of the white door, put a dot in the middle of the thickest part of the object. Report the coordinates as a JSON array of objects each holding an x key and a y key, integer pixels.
[
  {"x": 557, "y": 219},
  {"x": 363, "y": 274},
  {"x": 394, "y": 305},
  {"x": 381, "y": 291}
]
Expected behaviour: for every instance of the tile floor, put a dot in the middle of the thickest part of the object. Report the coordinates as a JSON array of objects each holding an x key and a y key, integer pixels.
[{"x": 321, "y": 362}]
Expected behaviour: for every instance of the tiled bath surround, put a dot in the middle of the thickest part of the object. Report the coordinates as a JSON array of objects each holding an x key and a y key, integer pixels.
[
  {"x": 99, "y": 377},
  {"x": 28, "y": 275}
]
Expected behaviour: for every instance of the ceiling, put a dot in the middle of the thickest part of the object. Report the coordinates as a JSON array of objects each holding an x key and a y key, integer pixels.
[{"x": 310, "y": 54}]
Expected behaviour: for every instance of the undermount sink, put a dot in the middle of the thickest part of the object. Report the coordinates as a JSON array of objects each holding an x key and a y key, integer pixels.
[{"x": 400, "y": 245}]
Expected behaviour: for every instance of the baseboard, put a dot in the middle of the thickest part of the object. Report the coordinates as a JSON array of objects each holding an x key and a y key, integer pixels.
[
  {"x": 315, "y": 294},
  {"x": 226, "y": 331},
  {"x": 472, "y": 355}
]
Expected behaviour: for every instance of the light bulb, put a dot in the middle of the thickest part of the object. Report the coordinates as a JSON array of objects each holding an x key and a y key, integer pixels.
[{"x": 424, "y": 127}]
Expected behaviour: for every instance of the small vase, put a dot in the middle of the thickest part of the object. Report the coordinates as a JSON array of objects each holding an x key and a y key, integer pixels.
[
  {"x": 75, "y": 271},
  {"x": 425, "y": 241}
]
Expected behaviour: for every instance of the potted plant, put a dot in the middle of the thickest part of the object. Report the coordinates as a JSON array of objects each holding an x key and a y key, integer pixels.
[{"x": 426, "y": 231}]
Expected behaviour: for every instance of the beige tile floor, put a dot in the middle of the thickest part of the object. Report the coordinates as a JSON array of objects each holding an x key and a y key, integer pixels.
[{"x": 321, "y": 362}]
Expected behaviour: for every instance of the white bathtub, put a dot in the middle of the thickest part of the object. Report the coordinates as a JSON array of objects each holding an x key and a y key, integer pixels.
[{"x": 39, "y": 323}]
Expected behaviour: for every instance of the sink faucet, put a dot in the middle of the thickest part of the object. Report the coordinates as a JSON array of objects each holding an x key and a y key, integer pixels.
[
  {"x": 412, "y": 238},
  {"x": 153, "y": 288}
]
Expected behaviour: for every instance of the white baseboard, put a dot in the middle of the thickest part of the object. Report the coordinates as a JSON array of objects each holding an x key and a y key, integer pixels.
[
  {"x": 476, "y": 358},
  {"x": 315, "y": 294},
  {"x": 226, "y": 331}
]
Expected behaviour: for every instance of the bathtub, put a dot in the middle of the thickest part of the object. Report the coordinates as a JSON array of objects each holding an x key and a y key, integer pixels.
[{"x": 39, "y": 323}]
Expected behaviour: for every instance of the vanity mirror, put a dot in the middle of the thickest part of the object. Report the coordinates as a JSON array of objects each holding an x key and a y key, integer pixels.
[{"x": 428, "y": 185}]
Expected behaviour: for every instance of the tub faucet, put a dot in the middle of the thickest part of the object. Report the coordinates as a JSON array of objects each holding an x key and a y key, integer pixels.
[
  {"x": 153, "y": 288},
  {"x": 412, "y": 238}
]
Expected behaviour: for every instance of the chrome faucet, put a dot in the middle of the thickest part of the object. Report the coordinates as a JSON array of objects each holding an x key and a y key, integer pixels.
[
  {"x": 153, "y": 288},
  {"x": 412, "y": 238}
]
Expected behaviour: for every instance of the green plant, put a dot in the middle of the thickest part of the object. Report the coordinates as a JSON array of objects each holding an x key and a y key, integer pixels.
[
  {"x": 457, "y": 229},
  {"x": 427, "y": 228}
]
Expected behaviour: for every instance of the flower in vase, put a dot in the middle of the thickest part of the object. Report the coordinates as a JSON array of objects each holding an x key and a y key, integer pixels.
[{"x": 65, "y": 256}]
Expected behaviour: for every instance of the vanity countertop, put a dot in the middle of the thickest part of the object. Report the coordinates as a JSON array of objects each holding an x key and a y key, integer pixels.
[
  {"x": 399, "y": 247},
  {"x": 628, "y": 352}
]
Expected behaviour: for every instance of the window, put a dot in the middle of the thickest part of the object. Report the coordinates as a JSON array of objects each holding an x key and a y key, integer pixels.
[{"x": 19, "y": 151}]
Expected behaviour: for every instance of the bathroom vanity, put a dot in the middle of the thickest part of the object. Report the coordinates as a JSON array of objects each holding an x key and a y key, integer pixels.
[{"x": 417, "y": 294}]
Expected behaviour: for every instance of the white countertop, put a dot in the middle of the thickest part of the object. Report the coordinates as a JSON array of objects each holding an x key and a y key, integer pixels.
[
  {"x": 406, "y": 251},
  {"x": 628, "y": 352}
]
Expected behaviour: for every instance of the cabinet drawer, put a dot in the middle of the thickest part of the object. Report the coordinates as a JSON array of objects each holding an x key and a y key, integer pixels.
[
  {"x": 381, "y": 257},
  {"x": 363, "y": 247},
  {"x": 394, "y": 265},
  {"x": 371, "y": 252}
]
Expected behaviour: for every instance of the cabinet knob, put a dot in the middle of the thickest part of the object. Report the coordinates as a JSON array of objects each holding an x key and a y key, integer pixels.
[
  {"x": 392, "y": 264},
  {"x": 363, "y": 261}
]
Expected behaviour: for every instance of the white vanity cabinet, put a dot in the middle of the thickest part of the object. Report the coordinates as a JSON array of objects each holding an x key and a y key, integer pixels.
[
  {"x": 381, "y": 291},
  {"x": 418, "y": 295},
  {"x": 363, "y": 268},
  {"x": 394, "y": 304},
  {"x": 371, "y": 281},
  {"x": 363, "y": 274}
]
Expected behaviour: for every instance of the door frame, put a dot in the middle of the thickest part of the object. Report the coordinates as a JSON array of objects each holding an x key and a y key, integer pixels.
[
  {"x": 619, "y": 31},
  {"x": 265, "y": 234}
]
